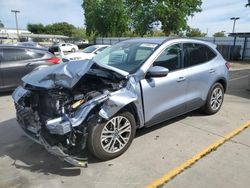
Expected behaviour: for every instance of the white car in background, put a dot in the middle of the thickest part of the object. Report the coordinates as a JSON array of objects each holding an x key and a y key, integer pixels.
[
  {"x": 68, "y": 47},
  {"x": 86, "y": 53}
]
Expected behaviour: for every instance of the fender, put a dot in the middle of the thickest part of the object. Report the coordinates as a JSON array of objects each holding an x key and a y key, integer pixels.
[{"x": 121, "y": 98}]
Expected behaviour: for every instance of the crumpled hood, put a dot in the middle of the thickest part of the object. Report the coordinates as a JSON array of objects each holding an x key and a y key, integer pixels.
[{"x": 64, "y": 74}]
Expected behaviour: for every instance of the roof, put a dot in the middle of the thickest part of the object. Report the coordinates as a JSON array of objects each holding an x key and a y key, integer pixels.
[
  {"x": 155, "y": 40},
  {"x": 21, "y": 47},
  {"x": 246, "y": 34}
]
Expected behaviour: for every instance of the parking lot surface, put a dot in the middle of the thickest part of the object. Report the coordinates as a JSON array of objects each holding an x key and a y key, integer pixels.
[{"x": 154, "y": 151}]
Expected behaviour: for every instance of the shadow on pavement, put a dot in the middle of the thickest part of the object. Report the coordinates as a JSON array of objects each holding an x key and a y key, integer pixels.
[
  {"x": 5, "y": 93},
  {"x": 28, "y": 155}
]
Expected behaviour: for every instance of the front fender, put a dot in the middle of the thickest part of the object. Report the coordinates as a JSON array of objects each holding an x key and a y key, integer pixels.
[{"x": 123, "y": 97}]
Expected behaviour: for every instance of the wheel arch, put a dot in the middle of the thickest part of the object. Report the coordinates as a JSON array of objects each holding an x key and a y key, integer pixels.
[
  {"x": 131, "y": 107},
  {"x": 223, "y": 82}
]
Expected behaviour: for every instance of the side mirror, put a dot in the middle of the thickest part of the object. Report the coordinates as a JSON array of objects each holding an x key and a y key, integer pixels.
[{"x": 157, "y": 72}]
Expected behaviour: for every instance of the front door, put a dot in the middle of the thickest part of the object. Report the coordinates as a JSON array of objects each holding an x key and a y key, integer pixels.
[{"x": 165, "y": 97}]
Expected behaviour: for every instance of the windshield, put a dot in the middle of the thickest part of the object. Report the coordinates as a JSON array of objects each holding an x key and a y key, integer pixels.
[
  {"x": 89, "y": 49},
  {"x": 127, "y": 56}
]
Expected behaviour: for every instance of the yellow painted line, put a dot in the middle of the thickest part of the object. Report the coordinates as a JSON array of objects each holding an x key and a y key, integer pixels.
[{"x": 174, "y": 172}]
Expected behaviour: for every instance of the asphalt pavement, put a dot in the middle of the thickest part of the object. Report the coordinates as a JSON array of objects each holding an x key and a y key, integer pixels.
[{"x": 154, "y": 151}]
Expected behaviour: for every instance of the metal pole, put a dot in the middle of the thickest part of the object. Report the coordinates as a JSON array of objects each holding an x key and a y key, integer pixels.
[
  {"x": 16, "y": 11},
  {"x": 234, "y": 25}
]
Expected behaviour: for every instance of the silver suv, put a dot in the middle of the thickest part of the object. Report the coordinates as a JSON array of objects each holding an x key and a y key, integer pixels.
[{"x": 101, "y": 102}]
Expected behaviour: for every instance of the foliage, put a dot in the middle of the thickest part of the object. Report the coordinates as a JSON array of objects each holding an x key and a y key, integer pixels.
[
  {"x": 105, "y": 17},
  {"x": 195, "y": 32},
  {"x": 1, "y": 24},
  {"x": 172, "y": 15},
  {"x": 79, "y": 33},
  {"x": 117, "y": 17},
  {"x": 36, "y": 28},
  {"x": 61, "y": 28},
  {"x": 219, "y": 34}
]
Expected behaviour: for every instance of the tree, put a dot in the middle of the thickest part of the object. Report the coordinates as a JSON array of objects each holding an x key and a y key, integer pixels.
[
  {"x": 195, "y": 32},
  {"x": 61, "y": 28},
  {"x": 105, "y": 17},
  {"x": 79, "y": 33},
  {"x": 36, "y": 28},
  {"x": 1, "y": 24},
  {"x": 219, "y": 34},
  {"x": 172, "y": 15}
]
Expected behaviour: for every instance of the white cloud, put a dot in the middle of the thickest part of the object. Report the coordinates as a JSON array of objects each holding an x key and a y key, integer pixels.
[
  {"x": 41, "y": 11},
  {"x": 216, "y": 16}
]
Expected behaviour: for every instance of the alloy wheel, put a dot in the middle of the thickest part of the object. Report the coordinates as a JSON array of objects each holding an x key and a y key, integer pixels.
[{"x": 116, "y": 134}]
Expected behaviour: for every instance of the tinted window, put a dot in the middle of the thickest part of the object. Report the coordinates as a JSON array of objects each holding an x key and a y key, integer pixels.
[
  {"x": 195, "y": 54},
  {"x": 10, "y": 54},
  {"x": 170, "y": 58},
  {"x": 89, "y": 49}
]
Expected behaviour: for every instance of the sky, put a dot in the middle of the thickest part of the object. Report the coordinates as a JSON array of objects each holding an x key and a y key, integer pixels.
[{"x": 215, "y": 15}]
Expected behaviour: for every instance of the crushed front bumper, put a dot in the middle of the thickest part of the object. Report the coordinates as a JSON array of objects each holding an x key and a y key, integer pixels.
[{"x": 31, "y": 126}]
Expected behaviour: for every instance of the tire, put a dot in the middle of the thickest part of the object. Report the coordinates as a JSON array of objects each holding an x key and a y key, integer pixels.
[
  {"x": 216, "y": 93},
  {"x": 108, "y": 148},
  {"x": 73, "y": 50}
]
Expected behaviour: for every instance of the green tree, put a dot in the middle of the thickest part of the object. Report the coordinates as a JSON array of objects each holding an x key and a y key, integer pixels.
[
  {"x": 61, "y": 28},
  {"x": 105, "y": 17},
  {"x": 172, "y": 14},
  {"x": 79, "y": 33},
  {"x": 1, "y": 24},
  {"x": 219, "y": 34},
  {"x": 36, "y": 28},
  {"x": 194, "y": 32}
]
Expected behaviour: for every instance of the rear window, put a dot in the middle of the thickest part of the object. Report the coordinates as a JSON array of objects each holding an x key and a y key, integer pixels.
[
  {"x": 11, "y": 54},
  {"x": 195, "y": 54}
]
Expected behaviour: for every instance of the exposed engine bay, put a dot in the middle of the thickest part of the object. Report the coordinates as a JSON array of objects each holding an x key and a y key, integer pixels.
[{"x": 58, "y": 117}]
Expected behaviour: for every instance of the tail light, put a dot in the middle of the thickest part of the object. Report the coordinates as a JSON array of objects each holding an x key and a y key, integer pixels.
[
  {"x": 54, "y": 60},
  {"x": 227, "y": 65}
]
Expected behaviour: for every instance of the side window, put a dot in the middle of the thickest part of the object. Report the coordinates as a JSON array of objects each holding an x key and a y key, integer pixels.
[
  {"x": 195, "y": 54},
  {"x": 11, "y": 54},
  {"x": 63, "y": 44},
  {"x": 170, "y": 58},
  {"x": 35, "y": 54}
]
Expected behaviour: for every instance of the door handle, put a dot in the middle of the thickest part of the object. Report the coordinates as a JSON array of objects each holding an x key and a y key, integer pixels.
[
  {"x": 211, "y": 70},
  {"x": 181, "y": 79}
]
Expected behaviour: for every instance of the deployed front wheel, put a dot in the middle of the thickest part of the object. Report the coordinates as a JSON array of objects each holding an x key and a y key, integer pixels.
[{"x": 112, "y": 138}]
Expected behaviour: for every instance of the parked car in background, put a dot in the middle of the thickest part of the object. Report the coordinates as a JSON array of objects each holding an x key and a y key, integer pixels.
[
  {"x": 136, "y": 83},
  {"x": 68, "y": 47},
  {"x": 86, "y": 53},
  {"x": 17, "y": 61},
  {"x": 65, "y": 47}
]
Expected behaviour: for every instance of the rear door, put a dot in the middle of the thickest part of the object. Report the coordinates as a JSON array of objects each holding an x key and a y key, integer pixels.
[
  {"x": 199, "y": 61},
  {"x": 16, "y": 63}
]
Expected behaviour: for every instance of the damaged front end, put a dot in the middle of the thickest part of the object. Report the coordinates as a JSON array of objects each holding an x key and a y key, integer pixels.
[{"x": 56, "y": 107}]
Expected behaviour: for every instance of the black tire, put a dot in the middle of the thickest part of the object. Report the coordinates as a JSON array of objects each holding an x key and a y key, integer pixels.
[
  {"x": 208, "y": 107},
  {"x": 95, "y": 144},
  {"x": 73, "y": 50}
]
